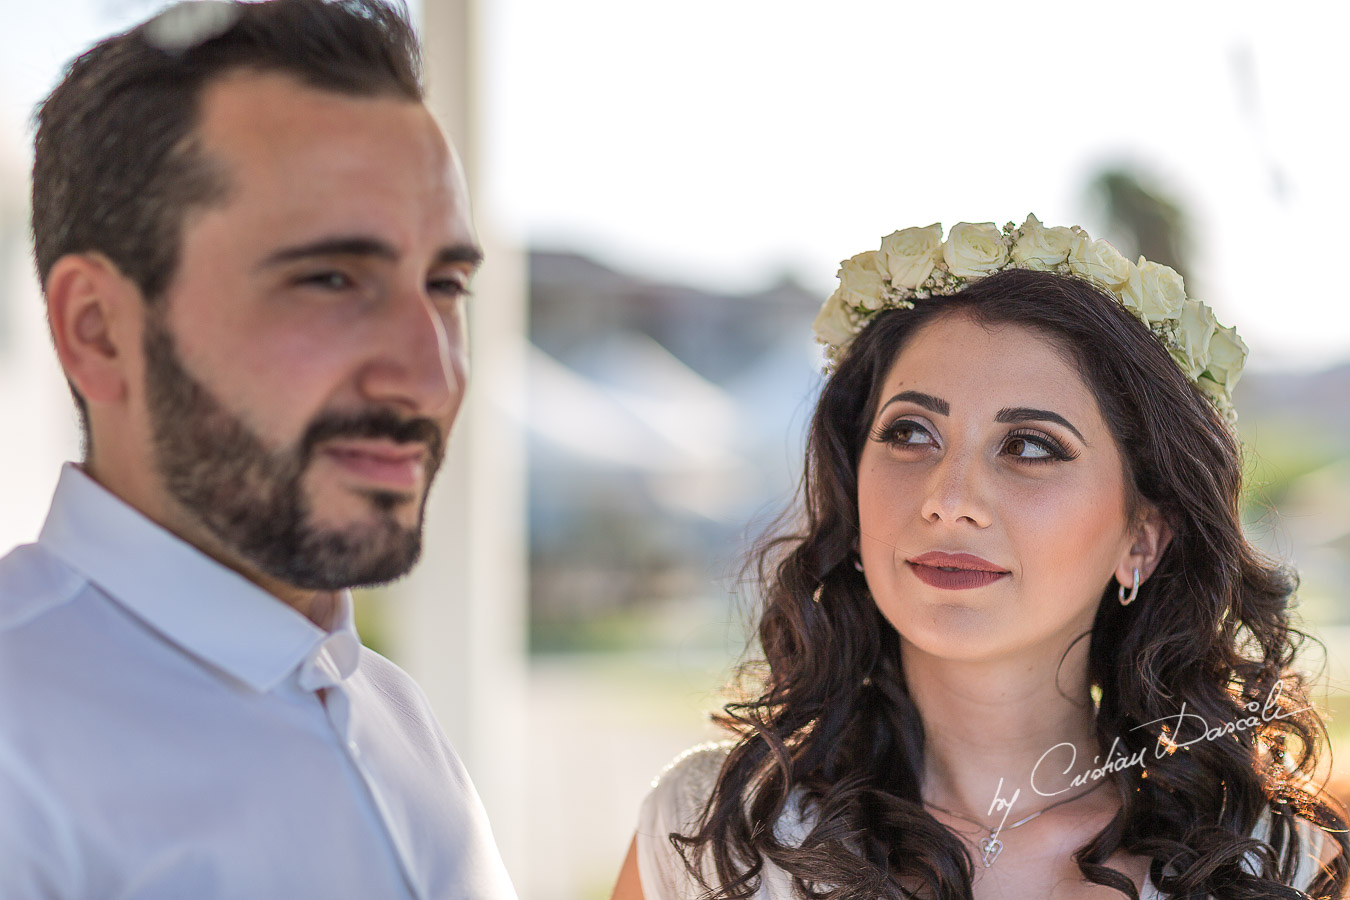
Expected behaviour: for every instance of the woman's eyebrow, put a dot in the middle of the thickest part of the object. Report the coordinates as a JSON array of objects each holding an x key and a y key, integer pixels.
[
  {"x": 1007, "y": 414},
  {"x": 1026, "y": 414},
  {"x": 927, "y": 401}
]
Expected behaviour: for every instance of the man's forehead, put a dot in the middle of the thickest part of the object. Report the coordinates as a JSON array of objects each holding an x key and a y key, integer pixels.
[
  {"x": 351, "y": 160},
  {"x": 268, "y": 106}
]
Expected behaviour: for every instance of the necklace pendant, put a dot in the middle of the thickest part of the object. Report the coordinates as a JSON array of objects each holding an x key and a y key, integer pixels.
[{"x": 990, "y": 848}]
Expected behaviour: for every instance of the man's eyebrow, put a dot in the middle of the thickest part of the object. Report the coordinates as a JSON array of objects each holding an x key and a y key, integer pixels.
[
  {"x": 469, "y": 254},
  {"x": 927, "y": 401},
  {"x": 1026, "y": 414}
]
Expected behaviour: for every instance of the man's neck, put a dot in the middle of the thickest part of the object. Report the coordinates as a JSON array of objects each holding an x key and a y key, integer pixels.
[{"x": 320, "y": 607}]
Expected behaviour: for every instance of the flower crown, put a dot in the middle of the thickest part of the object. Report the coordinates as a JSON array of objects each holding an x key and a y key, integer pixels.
[{"x": 917, "y": 263}]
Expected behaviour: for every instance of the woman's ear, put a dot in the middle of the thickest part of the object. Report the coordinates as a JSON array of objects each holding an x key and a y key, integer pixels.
[{"x": 1152, "y": 534}]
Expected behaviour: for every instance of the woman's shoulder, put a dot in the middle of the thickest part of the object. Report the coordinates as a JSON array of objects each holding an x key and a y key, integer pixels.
[
  {"x": 687, "y": 781},
  {"x": 1314, "y": 848},
  {"x": 1313, "y": 852},
  {"x": 675, "y": 805},
  {"x": 697, "y": 759}
]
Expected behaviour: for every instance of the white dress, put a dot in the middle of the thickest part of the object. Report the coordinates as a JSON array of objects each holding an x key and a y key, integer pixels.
[{"x": 679, "y": 793}]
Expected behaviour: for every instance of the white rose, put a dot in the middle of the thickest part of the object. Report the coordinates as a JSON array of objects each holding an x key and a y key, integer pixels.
[
  {"x": 1220, "y": 394},
  {"x": 1194, "y": 330},
  {"x": 1099, "y": 262},
  {"x": 1227, "y": 355},
  {"x": 911, "y": 255},
  {"x": 833, "y": 324},
  {"x": 862, "y": 279},
  {"x": 975, "y": 250},
  {"x": 1042, "y": 248},
  {"x": 1155, "y": 292}
]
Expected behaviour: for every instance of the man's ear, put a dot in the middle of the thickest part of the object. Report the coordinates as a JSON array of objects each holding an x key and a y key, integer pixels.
[
  {"x": 1152, "y": 534},
  {"x": 89, "y": 307}
]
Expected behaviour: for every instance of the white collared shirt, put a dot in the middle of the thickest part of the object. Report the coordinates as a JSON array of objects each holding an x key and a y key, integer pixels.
[{"x": 170, "y": 730}]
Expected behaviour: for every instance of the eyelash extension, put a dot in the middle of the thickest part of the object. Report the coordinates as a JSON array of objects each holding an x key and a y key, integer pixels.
[
  {"x": 1058, "y": 452},
  {"x": 886, "y": 434}
]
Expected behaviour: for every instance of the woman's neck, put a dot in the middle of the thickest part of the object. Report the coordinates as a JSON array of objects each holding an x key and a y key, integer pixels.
[{"x": 999, "y": 736}]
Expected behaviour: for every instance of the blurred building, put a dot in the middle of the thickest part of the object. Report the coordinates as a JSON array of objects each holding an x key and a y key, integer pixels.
[{"x": 663, "y": 422}]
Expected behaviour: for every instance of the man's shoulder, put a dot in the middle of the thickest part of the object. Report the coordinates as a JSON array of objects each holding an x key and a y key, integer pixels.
[
  {"x": 397, "y": 690},
  {"x": 392, "y": 698},
  {"x": 387, "y": 677},
  {"x": 33, "y": 582}
]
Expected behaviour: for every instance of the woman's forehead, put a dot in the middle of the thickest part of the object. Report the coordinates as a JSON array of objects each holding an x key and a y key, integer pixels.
[{"x": 980, "y": 365}]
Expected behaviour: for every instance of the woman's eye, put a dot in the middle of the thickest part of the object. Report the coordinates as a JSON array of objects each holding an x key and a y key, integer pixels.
[
  {"x": 906, "y": 434},
  {"x": 1034, "y": 449},
  {"x": 1026, "y": 448}
]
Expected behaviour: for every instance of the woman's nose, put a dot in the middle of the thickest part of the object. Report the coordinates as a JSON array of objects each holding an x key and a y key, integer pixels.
[{"x": 955, "y": 492}]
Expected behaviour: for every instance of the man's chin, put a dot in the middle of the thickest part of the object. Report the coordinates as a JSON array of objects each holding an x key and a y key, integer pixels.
[
  {"x": 351, "y": 558},
  {"x": 348, "y": 538}
]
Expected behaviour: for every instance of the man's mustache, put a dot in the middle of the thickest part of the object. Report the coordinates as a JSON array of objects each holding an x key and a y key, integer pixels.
[{"x": 379, "y": 423}]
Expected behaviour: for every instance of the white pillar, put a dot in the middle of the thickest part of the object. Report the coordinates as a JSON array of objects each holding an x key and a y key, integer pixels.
[
  {"x": 39, "y": 415},
  {"x": 458, "y": 622}
]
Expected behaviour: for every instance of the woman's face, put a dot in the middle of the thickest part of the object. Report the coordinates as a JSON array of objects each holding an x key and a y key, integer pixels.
[{"x": 987, "y": 443}]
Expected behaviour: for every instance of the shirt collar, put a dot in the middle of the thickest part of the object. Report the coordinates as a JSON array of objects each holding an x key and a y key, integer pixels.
[
  {"x": 202, "y": 606},
  {"x": 335, "y": 658}
]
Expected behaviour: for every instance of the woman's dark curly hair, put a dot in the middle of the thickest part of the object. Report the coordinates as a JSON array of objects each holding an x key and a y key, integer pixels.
[{"x": 833, "y": 721}]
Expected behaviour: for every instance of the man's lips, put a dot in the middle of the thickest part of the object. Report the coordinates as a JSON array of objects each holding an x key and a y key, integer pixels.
[{"x": 385, "y": 462}]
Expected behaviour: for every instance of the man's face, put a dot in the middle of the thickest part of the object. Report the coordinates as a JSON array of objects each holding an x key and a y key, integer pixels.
[{"x": 309, "y": 357}]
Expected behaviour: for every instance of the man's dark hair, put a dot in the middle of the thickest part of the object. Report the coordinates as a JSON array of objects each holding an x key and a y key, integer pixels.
[{"x": 116, "y": 169}]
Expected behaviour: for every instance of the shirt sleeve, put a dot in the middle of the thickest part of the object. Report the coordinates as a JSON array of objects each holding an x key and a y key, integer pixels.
[{"x": 39, "y": 856}]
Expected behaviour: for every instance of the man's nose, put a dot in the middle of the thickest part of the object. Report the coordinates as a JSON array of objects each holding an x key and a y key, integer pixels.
[{"x": 419, "y": 362}]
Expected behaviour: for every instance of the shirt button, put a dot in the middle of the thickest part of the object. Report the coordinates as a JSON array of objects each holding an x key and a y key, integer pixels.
[{"x": 353, "y": 749}]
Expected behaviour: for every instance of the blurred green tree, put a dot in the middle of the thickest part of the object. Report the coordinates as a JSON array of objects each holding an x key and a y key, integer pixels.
[{"x": 1156, "y": 223}]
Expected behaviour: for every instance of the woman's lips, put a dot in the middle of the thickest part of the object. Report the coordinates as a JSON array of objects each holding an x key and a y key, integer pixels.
[
  {"x": 955, "y": 579},
  {"x": 955, "y": 571}
]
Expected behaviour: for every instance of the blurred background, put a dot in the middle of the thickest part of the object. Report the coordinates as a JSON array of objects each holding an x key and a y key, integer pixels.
[{"x": 665, "y": 191}]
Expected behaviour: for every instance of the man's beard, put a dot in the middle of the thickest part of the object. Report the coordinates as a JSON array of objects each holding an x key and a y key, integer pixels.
[{"x": 252, "y": 500}]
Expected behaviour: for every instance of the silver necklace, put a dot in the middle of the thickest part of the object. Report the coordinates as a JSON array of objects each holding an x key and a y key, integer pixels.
[{"x": 991, "y": 846}]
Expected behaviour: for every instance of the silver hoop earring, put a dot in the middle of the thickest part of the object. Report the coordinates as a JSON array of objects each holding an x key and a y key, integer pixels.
[
  {"x": 857, "y": 563},
  {"x": 1134, "y": 590}
]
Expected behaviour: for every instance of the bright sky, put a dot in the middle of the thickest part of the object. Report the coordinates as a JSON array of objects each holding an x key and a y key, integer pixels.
[{"x": 721, "y": 142}]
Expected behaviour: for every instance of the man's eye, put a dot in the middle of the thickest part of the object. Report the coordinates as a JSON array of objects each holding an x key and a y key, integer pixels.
[
  {"x": 331, "y": 281},
  {"x": 448, "y": 287}
]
